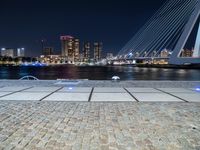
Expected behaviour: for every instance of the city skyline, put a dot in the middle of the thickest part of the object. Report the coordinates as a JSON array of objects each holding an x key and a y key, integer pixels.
[{"x": 25, "y": 24}]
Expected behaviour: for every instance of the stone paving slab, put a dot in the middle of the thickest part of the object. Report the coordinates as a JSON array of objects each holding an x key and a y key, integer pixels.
[
  {"x": 109, "y": 90},
  {"x": 155, "y": 97},
  {"x": 13, "y": 88},
  {"x": 178, "y": 90},
  {"x": 26, "y": 96},
  {"x": 76, "y": 89},
  {"x": 111, "y": 97},
  {"x": 42, "y": 89},
  {"x": 191, "y": 97},
  {"x": 58, "y": 96},
  {"x": 107, "y": 126},
  {"x": 143, "y": 90}
]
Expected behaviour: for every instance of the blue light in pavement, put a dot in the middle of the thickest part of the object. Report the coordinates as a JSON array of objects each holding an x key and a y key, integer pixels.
[
  {"x": 70, "y": 88},
  {"x": 197, "y": 89}
]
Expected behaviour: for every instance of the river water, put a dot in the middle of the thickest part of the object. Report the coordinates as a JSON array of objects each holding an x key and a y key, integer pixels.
[{"x": 99, "y": 73}]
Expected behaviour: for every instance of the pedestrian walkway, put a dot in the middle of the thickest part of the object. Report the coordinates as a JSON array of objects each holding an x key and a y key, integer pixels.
[
  {"x": 99, "y": 94},
  {"x": 50, "y": 125}
]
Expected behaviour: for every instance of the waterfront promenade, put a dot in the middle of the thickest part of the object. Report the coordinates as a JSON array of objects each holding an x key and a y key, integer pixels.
[{"x": 99, "y": 115}]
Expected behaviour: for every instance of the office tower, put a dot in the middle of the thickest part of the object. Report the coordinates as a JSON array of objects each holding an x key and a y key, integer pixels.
[
  {"x": 70, "y": 48},
  {"x": 7, "y": 52},
  {"x": 67, "y": 48},
  {"x": 97, "y": 50},
  {"x": 86, "y": 51},
  {"x": 48, "y": 51},
  {"x": 76, "y": 47},
  {"x": 20, "y": 52}
]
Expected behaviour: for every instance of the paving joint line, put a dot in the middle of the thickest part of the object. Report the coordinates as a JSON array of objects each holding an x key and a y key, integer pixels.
[
  {"x": 131, "y": 95},
  {"x": 172, "y": 95},
  {"x": 50, "y": 94},
  {"x": 90, "y": 97},
  {"x": 15, "y": 92}
]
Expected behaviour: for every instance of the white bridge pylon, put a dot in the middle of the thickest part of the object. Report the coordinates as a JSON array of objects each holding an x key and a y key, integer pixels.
[
  {"x": 175, "y": 58},
  {"x": 197, "y": 44}
]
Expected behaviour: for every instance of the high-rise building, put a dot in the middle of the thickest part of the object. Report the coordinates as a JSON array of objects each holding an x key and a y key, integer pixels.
[
  {"x": 20, "y": 52},
  {"x": 48, "y": 51},
  {"x": 70, "y": 48},
  {"x": 67, "y": 48},
  {"x": 76, "y": 47},
  {"x": 7, "y": 52},
  {"x": 86, "y": 51},
  {"x": 97, "y": 50}
]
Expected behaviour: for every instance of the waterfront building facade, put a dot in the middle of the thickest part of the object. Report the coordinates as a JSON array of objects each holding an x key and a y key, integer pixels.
[
  {"x": 67, "y": 48},
  {"x": 7, "y": 52},
  {"x": 76, "y": 49},
  {"x": 20, "y": 52},
  {"x": 186, "y": 53},
  {"x": 86, "y": 51},
  {"x": 164, "y": 53},
  {"x": 50, "y": 59},
  {"x": 97, "y": 50}
]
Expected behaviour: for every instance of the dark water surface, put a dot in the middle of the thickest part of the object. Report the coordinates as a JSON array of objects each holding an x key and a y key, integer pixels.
[{"x": 100, "y": 73}]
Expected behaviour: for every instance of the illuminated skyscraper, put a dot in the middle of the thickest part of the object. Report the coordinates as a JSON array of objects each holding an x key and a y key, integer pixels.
[
  {"x": 76, "y": 47},
  {"x": 70, "y": 48},
  {"x": 20, "y": 52},
  {"x": 86, "y": 51},
  {"x": 8, "y": 52},
  {"x": 97, "y": 50}
]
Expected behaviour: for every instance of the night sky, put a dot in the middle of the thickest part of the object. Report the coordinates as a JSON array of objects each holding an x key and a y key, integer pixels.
[{"x": 25, "y": 22}]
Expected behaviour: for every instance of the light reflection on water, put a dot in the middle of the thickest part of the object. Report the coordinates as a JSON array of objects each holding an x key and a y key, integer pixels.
[{"x": 100, "y": 73}]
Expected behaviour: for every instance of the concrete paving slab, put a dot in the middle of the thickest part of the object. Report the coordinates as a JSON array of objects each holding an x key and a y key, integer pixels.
[
  {"x": 76, "y": 89},
  {"x": 191, "y": 97},
  {"x": 109, "y": 97},
  {"x": 155, "y": 97},
  {"x": 178, "y": 90},
  {"x": 27, "y": 96},
  {"x": 13, "y": 88},
  {"x": 4, "y": 93},
  {"x": 59, "y": 96},
  {"x": 108, "y": 90},
  {"x": 42, "y": 89},
  {"x": 143, "y": 90}
]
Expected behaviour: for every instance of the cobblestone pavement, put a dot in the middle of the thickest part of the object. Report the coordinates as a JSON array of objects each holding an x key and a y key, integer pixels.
[{"x": 82, "y": 125}]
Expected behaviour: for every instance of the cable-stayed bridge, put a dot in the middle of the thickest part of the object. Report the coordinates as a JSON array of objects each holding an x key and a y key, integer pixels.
[{"x": 168, "y": 29}]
